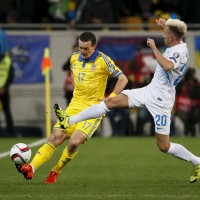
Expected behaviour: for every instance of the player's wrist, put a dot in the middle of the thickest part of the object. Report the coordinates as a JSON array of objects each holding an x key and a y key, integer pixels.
[{"x": 112, "y": 94}]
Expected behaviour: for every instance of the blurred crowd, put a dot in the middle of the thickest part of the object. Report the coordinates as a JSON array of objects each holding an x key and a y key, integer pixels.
[
  {"x": 187, "y": 106},
  {"x": 95, "y": 11}
]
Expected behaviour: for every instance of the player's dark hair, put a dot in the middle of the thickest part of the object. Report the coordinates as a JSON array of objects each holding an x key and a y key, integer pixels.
[{"x": 88, "y": 36}]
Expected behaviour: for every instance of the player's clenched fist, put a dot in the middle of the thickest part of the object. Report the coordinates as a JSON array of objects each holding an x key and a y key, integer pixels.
[{"x": 150, "y": 43}]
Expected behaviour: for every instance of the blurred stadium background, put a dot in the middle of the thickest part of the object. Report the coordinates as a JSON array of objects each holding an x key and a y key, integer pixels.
[
  {"x": 121, "y": 38},
  {"x": 28, "y": 99}
]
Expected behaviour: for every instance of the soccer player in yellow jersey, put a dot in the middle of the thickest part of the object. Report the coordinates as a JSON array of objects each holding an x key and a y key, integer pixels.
[{"x": 91, "y": 69}]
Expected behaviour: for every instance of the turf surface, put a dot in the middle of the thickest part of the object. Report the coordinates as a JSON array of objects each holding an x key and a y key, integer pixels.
[{"x": 106, "y": 168}]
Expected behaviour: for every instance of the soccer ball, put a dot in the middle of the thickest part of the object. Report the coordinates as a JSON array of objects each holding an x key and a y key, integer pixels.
[{"x": 20, "y": 153}]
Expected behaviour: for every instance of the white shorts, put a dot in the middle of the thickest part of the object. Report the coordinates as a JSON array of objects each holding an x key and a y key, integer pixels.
[{"x": 161, "y": 115}]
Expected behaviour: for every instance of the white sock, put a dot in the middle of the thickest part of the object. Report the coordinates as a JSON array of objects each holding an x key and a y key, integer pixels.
[
  {"x": 181, "y": 152},
  {"x": 94, "y": 111}
]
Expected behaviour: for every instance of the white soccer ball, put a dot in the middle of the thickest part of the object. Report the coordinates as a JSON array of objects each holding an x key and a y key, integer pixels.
[{"x": 20, "y": 153}]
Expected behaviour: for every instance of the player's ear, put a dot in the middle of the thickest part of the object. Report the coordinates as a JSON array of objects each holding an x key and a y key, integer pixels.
[{"x": 95, "y": 46}]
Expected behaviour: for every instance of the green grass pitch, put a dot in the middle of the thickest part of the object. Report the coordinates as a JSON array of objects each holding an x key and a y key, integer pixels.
[{"x": 106, "y": 168}]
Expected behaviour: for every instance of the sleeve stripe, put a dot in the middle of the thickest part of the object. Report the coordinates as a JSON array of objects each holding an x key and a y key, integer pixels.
[
  {"x": 116, "y": 73},
  {"x": 119, "y": 74},
  {"x": 106, "y": 59}
]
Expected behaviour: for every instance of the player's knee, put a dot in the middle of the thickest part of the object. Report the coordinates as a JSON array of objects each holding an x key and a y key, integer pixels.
[
  {"x": 57, "y": 137},
  {"x": 73, "y": 145},
  {"x": 163, "y": 147},
  {"x": 52, "y": 140}
]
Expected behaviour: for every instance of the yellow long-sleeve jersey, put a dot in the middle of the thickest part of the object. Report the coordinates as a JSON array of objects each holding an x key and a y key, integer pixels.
[{"x": 90, "y": 78}]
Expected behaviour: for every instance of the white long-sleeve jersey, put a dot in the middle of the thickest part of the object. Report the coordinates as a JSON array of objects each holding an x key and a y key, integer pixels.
[{"x": 161, "y": 90}]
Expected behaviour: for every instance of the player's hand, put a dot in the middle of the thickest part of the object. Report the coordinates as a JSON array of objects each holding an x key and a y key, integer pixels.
[
  {"x": 151, "y": 43},
  {"x": 110, "y": 96},
  {"x": 161, "y": 22}
]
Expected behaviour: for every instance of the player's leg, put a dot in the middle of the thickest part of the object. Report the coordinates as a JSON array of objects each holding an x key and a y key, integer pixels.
[
  {"x": 179, "y": 151},
  {"x": 46, "y": 151},
  {"x": 84, "y": 130},
  {"x": 95, "y": 111},
  {"x": 43, "y": 154},
  {"x": 67, "y": 155},
  {"x": 162, "y": 121},
  {"x": 70, "y": 151},
  {"x": 127, "y": 99}
]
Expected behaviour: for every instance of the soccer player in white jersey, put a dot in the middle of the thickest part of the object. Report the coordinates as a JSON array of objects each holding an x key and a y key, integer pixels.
[{"x": 158, "y": 97}]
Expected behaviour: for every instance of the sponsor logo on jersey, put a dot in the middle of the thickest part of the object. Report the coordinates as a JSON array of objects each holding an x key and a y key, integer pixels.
[
  {"x": 159, "y": 128},
  {"x": 175, "y": 56}
]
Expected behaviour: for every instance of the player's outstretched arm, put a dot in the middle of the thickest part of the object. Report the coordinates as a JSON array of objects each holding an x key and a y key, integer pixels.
[{"x": 163, "y": 62}]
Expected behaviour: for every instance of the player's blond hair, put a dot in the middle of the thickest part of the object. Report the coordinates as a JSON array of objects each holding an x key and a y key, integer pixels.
[{"x": 178, "y": 27}]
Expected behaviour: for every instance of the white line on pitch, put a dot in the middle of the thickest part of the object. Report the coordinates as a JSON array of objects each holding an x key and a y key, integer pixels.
[{"x": 33, "y": 144}]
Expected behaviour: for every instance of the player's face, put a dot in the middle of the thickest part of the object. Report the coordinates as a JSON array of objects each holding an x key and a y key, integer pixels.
[
  {"x": 168, "y": 37},
  {"x": 86, "y": 49}
]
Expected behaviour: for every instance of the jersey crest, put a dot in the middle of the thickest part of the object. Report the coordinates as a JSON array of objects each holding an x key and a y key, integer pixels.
[{"x": 94, "y": 67}]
